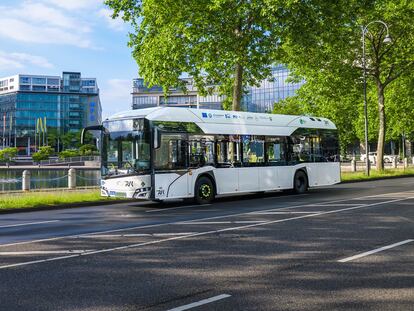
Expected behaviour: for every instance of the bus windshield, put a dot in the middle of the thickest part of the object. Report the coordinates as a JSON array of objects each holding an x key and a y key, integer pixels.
[{"x": 125, "y": 152}]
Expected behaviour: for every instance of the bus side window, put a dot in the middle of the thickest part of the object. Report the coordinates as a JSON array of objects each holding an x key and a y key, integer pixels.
[
  {"x": 253, "y": 150},
  {"x": 275, "y": 150},
  {"x": 172, "y": 153}
]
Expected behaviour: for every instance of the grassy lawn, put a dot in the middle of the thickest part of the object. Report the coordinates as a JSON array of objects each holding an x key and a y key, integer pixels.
[
  {"x": 37, "y": 199},
  {"x": 355, "y": 176}
]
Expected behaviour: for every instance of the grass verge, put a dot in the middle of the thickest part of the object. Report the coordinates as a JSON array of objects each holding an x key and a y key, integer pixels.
[
  {"x": 42, "y": 199},
  {"x": 388, "y": 173}
]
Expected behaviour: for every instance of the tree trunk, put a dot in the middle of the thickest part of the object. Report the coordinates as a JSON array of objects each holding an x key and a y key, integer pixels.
[
  {"x": 381, "y": 132},
  {"x": 237, "y": 87}
]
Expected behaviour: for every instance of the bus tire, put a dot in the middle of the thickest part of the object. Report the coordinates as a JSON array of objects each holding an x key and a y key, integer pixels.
[
  {"x": 300, "y": 182},
  {"x": 204, "y": 190}
]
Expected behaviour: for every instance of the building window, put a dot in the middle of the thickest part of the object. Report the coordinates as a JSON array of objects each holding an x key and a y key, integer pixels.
[
  {"x": 25, "y": 87},
  {"x": 51, "y": 81},
  {"x": 38, "y": 88},
  {"x": 38, "y": 80},
  {"x": 25, "y": 80}
]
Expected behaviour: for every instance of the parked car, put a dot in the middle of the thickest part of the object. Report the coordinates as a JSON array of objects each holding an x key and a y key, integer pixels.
[{"x": 373, "y": 157}]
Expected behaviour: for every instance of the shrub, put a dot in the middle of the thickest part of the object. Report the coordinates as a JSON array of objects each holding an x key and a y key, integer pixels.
[
  {"x": 43, "y": 154},
  {"x": 88, "y": 150},
  {"x": 7, "y": 154},
  {"x": 69, "y": 153}
]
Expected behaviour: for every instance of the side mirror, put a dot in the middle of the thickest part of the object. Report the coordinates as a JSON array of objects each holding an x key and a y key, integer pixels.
[
  {"x": 157, "y": 138},
  {"x": 91, "y": 128}
]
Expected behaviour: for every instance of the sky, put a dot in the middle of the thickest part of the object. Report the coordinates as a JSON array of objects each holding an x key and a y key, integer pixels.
[{"x": 51, "y": 36}]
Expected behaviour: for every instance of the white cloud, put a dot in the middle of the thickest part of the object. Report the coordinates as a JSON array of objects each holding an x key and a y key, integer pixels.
[
  {"x": 41, "y": 22},
  {"x": 116, "y": 95},
  {"x": 20, "y": 60},
  {"x": 115, "y": 24},
  {"x": 76, "y": 4},
  {"x": 25, "y": 32},
  {"x": 43, "y": 14}
]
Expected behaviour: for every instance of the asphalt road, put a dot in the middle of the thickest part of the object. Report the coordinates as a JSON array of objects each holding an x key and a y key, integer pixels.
[{"x": 347, "y": 247}]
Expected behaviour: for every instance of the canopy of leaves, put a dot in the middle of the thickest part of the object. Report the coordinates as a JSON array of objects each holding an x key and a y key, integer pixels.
[
  {"x": 204, "y": 39},
  {"x": 323, "y": 45},
  {"x": 8, "y": 154}
]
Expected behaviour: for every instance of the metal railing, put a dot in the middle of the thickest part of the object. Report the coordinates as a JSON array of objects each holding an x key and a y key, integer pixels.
[{"x": 71, "y": 160}]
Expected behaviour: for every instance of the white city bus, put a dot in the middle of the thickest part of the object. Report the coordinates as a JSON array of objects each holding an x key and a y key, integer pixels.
[{"x": 169, "y": 153}]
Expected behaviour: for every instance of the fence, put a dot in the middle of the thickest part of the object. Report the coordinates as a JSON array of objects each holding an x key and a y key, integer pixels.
[
  {"x": 355, "y": 166},
  {"x": 71, "y": 160}
]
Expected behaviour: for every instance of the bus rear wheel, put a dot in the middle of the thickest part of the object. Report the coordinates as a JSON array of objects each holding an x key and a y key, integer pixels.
[
  {"x": 300, "y": 182},
  {"x": 204, "y": 191}
]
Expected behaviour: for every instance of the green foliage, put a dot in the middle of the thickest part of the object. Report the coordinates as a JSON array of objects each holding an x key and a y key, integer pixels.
[
  {"x": 69, "y": 153},
  {"x": 388, "y": 173},
  {"x": 38, "y": 199},
  {"x": 205, "y": 39},
  {"x": 88, "y": 150},
  {"x": 322, "y": 42},
  {"x": 43, "y": 154},
  {"x": 8, "y": 154}
]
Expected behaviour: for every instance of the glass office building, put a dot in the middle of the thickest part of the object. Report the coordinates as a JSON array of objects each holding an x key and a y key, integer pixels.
[
  {"x": 64, "y": 104},
  {"x": 144, "y": 97},
  {"x": 257, "y": 99},
  {"x": 262, "y": 98}
]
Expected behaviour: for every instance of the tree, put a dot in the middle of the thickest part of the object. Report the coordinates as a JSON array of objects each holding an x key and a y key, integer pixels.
[
  {"x": 224, "y": 43},
  {"x": 69, "y": 153},
  {"x": 88, "y": 150},
  {"x": 43, "y": 154},
  {"x": 332, "y": 46},
  {"x": 8, "y": 154}
]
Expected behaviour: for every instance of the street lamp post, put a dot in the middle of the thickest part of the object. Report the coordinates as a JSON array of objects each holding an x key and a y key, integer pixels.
[{"x": 387, "y": 39}]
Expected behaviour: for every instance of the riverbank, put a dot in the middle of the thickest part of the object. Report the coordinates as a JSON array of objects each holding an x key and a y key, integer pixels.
[
  {"x": 44, "y": 200},
  {"x": 388, "y": 173}
]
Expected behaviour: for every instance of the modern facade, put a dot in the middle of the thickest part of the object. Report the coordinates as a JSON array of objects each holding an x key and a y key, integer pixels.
[
  {"x": 66, "y": 104},
  {"x": 145, "y": 97},
  {"x": 257, "y": 98}
]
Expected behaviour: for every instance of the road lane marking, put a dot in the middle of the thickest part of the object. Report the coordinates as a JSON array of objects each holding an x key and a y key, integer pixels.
[
  {"x": 125, "y": 247},
  {"x": 135, "y": 235},
  {"x": 75, "y": 251},
  {"x": 282, "y": 213},
  {"x": 335, "y": 204},
  {"x": 174, "y": 208},
  {"x": 377, "y": 250},
  {"x": 171, "y": 223},
  {"x": 219, "y": 222},
  {"x": 200, "y": 303},
  {"x": 29, "y": 223}
]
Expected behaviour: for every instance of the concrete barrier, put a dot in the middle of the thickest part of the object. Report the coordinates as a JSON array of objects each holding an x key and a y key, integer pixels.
[
  {"x": 72, "y": 178},
  {"x": 26, "y": 180}
]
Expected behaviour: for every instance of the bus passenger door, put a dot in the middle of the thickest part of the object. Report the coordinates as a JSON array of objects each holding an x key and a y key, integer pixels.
[{"x": 171, "y": 178}]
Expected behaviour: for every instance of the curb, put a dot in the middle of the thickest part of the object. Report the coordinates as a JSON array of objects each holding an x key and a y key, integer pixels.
[{"x": 62, "y": 206}]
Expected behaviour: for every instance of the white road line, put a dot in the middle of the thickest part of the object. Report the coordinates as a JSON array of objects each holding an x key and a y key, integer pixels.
[
  {"x": 200, "y": 303},
  {"x": 134, "y": 235},
  {"x": 174, "y": 208},
  {"x": 29, "y": 223},
  {"x": 75, "y": 251},
  {"x": 171, "y": 223},
  {"x": 377, "y": 250},
  {"x": 282, "y": 213},
  {"x": 124, "y": 247},
  {"x": 335, "y": 204},
  {"x": 220, "y": 222}
]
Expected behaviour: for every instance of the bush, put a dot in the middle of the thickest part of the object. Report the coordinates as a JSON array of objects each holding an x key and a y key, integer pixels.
[
  {"x": 69, "y": 153},
  {"x": 7, "y": 154},
  {"x": 43, "y": 154},
  {"x": 88, "y": 150}
]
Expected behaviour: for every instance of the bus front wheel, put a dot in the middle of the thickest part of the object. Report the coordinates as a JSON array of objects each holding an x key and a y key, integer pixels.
[
  {"x": 300, "y": 182},
  {"x": 204, "y": 191}
]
